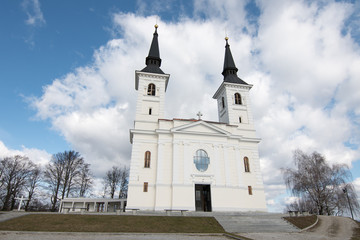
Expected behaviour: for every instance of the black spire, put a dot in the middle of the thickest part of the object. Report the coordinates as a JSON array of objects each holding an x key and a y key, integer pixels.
[
  {"x": 153, "y": 60},
  {"x": 230, "y": 70}
]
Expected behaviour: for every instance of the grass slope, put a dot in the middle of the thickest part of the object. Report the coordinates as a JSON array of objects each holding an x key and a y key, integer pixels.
[
  {"x": 302, "y": 222},
  {"x": 98, "y": 223}
]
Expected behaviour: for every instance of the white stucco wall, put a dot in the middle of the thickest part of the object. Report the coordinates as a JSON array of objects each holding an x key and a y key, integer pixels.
[{"x": 172, "y": 174}]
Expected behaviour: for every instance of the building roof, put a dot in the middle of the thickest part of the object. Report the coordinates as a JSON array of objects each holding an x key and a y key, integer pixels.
[
  {"x": 230, "y": 70},
  {"x": 88, "y": 200},
  {"x": 151, "y": 68},
  {"x": 194, "y": 120},
  {"x": 153, "y": 60}
]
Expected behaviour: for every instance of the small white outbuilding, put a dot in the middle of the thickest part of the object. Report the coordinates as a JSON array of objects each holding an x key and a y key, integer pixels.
[{"x": 91, "y": 205}]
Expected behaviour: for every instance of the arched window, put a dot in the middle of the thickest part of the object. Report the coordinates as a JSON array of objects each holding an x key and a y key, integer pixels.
[
  {"x": 147, "y": 159},
  {"x": 201, "y": 160},
  {"x": 151, "y": 89},
  {"x": 238, "y": 98},
  {"x": 246, "y": 164},
  {"x": 223, "y": 102}
]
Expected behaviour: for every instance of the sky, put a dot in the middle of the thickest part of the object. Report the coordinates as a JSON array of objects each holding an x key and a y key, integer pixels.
[{"x": 67, "y": 76}]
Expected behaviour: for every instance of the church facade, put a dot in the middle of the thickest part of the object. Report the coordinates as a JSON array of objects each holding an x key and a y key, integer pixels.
[{"x": 194, "y": 164}]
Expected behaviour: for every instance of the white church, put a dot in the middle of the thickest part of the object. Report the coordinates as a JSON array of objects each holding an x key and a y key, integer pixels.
[{"x": 194, "y": 164}]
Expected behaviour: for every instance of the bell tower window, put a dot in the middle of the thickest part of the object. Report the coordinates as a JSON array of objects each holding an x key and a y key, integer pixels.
[
  {"x": 246, "y": 164},
  {"x": 151, "y": 89},
  {"x": 238, "y": 98},
  {"x": 223, "y": 102},
  {"x": 147, "y": 159}
]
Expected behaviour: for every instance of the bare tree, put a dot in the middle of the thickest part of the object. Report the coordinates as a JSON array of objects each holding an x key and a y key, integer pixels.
[
  {"x": 61, "y": 175},
  {"x": 32, "y": 183},
  {"x": 348, "y": 197},
  {"x": 85, "y": 181},
  {"x": 14, "y": 174},
  {"x": 2, "y": 182},
  {"x": 112, "y": 180},
  {"x": 73, "y": 164},
  {"x": 2, "y": 169},
  {"x": 317, "y": 183},
  {"x": 124, "y": 181},
  {"x": 105, "y": 188},
  {"x": 302, "y": 204},
  {"x": 53, "y": 176}
]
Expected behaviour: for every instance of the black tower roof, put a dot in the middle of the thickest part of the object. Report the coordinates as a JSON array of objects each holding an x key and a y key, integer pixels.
[
  {"x": 153, "y": 60},
  {"x": 230, "y": 70}
]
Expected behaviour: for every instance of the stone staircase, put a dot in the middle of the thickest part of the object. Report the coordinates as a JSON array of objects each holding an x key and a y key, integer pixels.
[
  {"x": 255, "y": 223},
  {"x": 240, "y": 222}
]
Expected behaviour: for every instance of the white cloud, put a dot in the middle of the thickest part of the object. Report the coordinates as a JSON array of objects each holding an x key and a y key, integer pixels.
[
  {"x": 35, "y": 155},
  {"x": 34, "y": 19},
  {"x": 232, "y": 11},
  {"x": 289, "y": 200},
  {"x": 33, "y": 11},
  {"x": 356, "y": 183},
  {"x": 303, "y": 68}
]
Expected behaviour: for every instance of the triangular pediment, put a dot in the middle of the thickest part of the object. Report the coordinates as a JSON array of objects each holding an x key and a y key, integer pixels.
[{"x": 200, "y": 127}]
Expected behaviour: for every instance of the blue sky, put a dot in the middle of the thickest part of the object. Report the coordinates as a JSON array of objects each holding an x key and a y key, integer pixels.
[
  {"x": 33, "y": 55},
  {"x": 67, "y": 75}
]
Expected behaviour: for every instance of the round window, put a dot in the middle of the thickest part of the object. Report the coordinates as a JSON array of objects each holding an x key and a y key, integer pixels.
[{"x": 201, "y": 160}]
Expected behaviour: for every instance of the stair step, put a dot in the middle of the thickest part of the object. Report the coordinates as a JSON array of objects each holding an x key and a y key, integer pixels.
[{"x": 255, "y": 223}]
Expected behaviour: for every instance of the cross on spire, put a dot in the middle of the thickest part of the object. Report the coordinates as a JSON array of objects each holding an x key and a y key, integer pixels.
[{"x": 199, "y": 114}]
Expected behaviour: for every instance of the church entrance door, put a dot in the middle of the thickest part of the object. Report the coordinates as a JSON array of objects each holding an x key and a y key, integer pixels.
[{"x": 202, "y": 198}]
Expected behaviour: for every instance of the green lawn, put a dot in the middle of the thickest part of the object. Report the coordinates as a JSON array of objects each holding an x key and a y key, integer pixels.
[{"x": 99, "y": 223}]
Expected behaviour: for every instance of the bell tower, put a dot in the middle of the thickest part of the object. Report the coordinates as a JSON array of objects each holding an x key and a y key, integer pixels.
[
  {"x": 233, "y": 95},
  {"x": 151, "y": 84}
]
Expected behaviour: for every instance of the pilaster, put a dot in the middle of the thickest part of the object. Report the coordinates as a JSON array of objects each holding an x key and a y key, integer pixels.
[
  {"x": 187, "y": 163},
  {"x": 239, "y": 168},
  {"x": 226, "y": 166}
]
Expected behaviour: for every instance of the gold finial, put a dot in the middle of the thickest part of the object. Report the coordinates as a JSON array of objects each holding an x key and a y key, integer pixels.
[
  {"x": 226, "y": 38},
  {"x": 156, "y": 26}
]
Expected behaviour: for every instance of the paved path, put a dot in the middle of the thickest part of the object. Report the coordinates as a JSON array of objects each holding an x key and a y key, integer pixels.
[
  {"x": 4, "y": 216},
  {"x": 105, "y": 236},
  {"x": 329, "y": 227}
]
